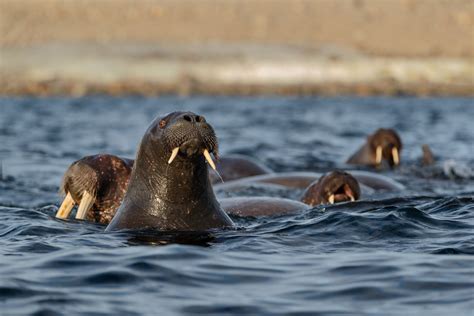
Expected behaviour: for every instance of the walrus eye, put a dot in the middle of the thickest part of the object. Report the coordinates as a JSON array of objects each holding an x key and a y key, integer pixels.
[{"x": 162, "y": 124}]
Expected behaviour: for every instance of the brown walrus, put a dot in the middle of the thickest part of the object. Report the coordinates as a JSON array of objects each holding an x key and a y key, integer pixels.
[
  {"x": 382, "y": 146},
  {"x": 428, "y": 158},
  {"x": 169, "y": 179},
  {"x": 103, "y": 179},
  {"x": 98, "y": 184},
  {"x": 342, "y": 185},
  {"x": 302, "y": 179},
  {"x": 234, "y": 167},
  {"x": 334, "y": 187},
  {"x": 261, "y": 206},
  {"x": 169, "y": 186}
]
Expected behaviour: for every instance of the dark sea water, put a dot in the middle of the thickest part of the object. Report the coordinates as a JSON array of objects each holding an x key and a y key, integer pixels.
[{"x": 403, "y": 253}]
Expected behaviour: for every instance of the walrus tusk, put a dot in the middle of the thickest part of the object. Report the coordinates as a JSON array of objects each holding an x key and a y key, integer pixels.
[
  {"x": 209, "y": 159},
  {"x": 378, "y": 155},
  {"x": 86, "y": 204},
  {"x": 396, "y": 158},
  {"x": 66, "y": 207},
  {"x": 331, "y": 199},
  {"x": 174, "y": 153},
  {"x": 349, "y": 193}
]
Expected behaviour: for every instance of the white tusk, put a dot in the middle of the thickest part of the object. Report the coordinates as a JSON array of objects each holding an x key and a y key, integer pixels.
[
  {"x": 396, "y": 158},
  {"x": 66, "y": 207},
  {"x": 331, "y": 199},
  {"x": 86, "y": 204},
  {"x": 378, "y": 155},
  {"x": 349, "y": 193},
  {"x": 209, "y": 159},
  {"x": 174, "y": 153}
]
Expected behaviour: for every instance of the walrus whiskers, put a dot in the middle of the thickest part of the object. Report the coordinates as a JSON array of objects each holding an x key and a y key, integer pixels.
[
  {"x": 396, "y": 158},
  {"x": 66, "y": 207},
  {"x": 86, "y": 204},
  {"x": 174, "y": 153}
]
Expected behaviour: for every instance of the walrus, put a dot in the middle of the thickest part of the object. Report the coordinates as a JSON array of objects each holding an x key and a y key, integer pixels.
[
  {"x": 169, "y": 185},
  {"x": 234, "y": 167},
  {"x": 93, "y": 189},
  {"x": 98, "y": 183},
  {"x": 334, "y": 187},
  {"x": 302, "y": 179},
  {"x": 175, "y": 193},
  {"x": 257, "y": 206},
  {"x": 427, "y": 158},
  {"x": 384, "y": 145}
]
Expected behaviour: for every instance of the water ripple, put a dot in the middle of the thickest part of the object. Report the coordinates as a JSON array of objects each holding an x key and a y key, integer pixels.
[{"x": 388, "y": 254}]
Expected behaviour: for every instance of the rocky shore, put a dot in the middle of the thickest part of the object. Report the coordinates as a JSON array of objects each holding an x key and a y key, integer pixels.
[{"x": 237, "y": 47}]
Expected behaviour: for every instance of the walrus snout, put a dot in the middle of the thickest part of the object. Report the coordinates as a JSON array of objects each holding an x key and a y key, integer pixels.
[
  {"x": 336, "y": 186},
  {"x": 387, "y": 145},
  {"x": 192, "y": 147},
  {"x": 189, "y": 134},
  {"x": 194, "y": 118}
]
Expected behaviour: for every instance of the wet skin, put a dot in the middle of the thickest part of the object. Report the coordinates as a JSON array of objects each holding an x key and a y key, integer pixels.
[
  {"x": 167, "y": 193},
  {"x": 106, "y": 177},
  {"x": 303, "y": 179},
  {"x": 169, "y": 186},
  {"x": 233, "y": 167},
  {"x": 334, "y": 187},
  {"x": 318, "y": 191}
]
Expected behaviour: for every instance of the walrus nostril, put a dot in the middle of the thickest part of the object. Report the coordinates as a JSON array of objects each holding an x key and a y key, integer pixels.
[{"x": 194, "y": 118}]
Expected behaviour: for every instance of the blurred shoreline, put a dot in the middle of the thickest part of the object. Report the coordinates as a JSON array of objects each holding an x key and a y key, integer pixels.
[{"x": 362, "y": 47}]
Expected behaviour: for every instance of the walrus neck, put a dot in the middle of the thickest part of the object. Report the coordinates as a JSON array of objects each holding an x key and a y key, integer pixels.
[
  {"x": 175, "y": 196},
  {"x": 185, "y": 180}
]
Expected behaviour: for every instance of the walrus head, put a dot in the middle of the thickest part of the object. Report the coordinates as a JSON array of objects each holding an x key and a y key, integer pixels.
[
  {"x": 336, "y": 186},
  {"x": 185, "y": 135},
  {"x": 386, "y": 145},
  {"x": 169, "y": 187}
]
